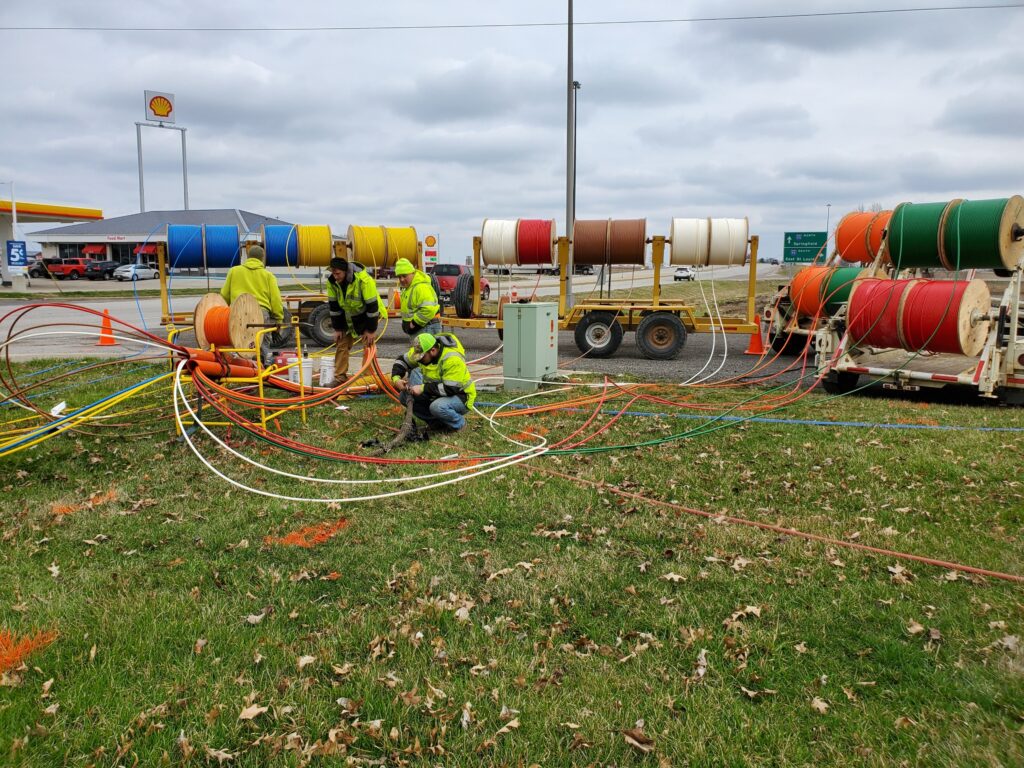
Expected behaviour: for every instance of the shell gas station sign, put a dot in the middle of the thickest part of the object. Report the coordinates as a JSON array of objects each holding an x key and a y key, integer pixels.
[
  {"x": 160, "y": 106},
  {"x": 430, "y": 250}
]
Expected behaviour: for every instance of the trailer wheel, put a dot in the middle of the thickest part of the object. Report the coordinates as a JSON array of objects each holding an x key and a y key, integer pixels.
[
  {"x": 436, "y": 286},
  {"x": 661, "y": 336},
  {"x": 305, "y": 310},
  {"x": 462, "y": 295},
  {"x": 320, "y": 329},
  {"x": 840, "y": 382},
  {"x": 598, "y": 334},
  {"x": 786, "y": 343}
]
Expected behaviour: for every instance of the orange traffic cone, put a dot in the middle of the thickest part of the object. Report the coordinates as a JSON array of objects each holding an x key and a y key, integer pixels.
[
  {"x": 106, "y": 332},
  {"x": 396, "y": 300},
  {"x": 756, "y": 346}
]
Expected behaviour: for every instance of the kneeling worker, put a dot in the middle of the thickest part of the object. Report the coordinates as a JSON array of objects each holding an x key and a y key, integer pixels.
[
  {"x": 447, "y": 392},
  {"x": 254, "y": 278},
  {"x": 355, "y": 308}
]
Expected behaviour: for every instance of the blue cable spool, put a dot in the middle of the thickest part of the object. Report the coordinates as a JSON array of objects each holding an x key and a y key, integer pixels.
[
  {"x": 281, "y": 242},
  {"x": 222, "y": 245},
  {"x": 184, "y": 246}
]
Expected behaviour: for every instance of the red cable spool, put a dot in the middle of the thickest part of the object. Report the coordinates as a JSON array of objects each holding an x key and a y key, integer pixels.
[
  {"x": 875, "y": 310},
  {"x": 535, "y": 241},
  {"x": 946, "y": 316}
]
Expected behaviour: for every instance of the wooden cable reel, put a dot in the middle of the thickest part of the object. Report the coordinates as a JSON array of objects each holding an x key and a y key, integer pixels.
[{"x": 235, "y": 327}]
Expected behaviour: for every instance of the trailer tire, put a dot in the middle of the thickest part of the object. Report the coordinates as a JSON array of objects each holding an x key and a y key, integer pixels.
[
  {"x": 598, "y": 334},
  {"x": 786, "y": 343},
  {"x": 437, "y": 288},
  {"x": 840, "y": 382},
  {"x": 320, "y": 329},
  {"x": 661, "y": 336},
  {"x": 305, "y": 310},
  {"x": 462, "y": 296}
]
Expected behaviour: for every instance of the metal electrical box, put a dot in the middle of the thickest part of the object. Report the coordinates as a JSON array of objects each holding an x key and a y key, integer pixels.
[{"x": 531, "y": 344}]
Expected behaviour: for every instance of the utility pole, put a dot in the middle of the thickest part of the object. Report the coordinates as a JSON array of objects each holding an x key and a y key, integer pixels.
[{"x": 570, "y": 160}]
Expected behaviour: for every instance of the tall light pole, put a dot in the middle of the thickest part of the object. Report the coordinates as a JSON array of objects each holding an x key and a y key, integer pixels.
[
  {"x": 570, "y": 159},
  {"x": 828, "y": 213}
]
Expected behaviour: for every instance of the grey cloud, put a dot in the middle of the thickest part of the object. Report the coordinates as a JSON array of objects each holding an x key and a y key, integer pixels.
[{"x": 986, "y": 114}]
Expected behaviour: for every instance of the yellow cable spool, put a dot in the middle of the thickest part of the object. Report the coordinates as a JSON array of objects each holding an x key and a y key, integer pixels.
[
  {"x": 368, "y": 245},
  {"x": 402, "y": 243},
  {"x": 315, "y": 245}
]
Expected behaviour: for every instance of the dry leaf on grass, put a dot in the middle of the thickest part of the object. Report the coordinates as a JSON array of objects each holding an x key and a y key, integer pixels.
[
  {"x": 305, "y": 661},
  {"x": 819, "y": 705},
  {"x": 638, "y": 740},
  {"x": 220, "y": 755},
  {"x": 914, "y": 628},
  {"x": 252, "y": 712}
]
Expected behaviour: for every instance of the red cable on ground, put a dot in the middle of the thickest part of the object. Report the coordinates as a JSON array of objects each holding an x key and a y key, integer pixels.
[{"x": 786, "y": 531}]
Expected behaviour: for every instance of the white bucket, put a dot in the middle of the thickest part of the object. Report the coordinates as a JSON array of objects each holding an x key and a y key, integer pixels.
[
  {"x": 303, "y": 369},
  {"x": 326, "y": 372}
]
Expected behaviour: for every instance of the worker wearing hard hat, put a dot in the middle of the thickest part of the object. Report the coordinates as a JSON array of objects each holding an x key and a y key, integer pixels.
[
  {"x": 421, "y": 311},
  {"x": 355, "y": 308},
  {"x": 252, "y": 277},
  {"x": 447, "y": 392}
]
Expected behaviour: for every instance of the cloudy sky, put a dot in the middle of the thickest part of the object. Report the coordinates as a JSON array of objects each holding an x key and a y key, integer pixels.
[{"x": 440, "y": 128}]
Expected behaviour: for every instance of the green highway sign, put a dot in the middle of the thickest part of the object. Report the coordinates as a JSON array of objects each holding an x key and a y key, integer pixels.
[{"x": 803, "y": 247}]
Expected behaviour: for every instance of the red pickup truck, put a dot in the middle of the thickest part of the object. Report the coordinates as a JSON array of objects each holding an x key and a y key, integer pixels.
[
  {"x": 72, "y": 269},
  {"x": 448, "y": 275}
]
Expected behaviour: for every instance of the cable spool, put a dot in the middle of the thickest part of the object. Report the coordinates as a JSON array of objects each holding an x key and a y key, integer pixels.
[
  {"x": 859, "y": 235},
  {"x": 498, "y": 240},
  {"x": 691, "y": 242},
  {"x": 946, "y": 316},
  {"x": 281, "y": 242},
  {"x": 234, "y": 327},
  {"x": 805, "y": 290},
  {"x": 590, "y": 241},
  {"x": 916, "y": 234},
  {"x": 222, "y": 245},
  {"x": 874, "y": 317},
  {"x": 610, "y": 241},
  {"x": 401, "y": 243},
  {"x": 368, "y": 245},
  {"x": 627, "y": 241},
  {"x": 837, "y": 288},
  {"x": 185, "y": 245},
  {"x": 728, "y": 242},
  {"x": 535, "y": 242},
  {"x": 316, "y": 246},
  {"x": 985, "y": 234}
]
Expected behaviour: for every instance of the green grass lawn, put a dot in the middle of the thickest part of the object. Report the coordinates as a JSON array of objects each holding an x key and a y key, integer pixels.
[{"x": 521, "y": 617}]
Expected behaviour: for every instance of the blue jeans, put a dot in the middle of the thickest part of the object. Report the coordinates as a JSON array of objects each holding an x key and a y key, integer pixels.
[
  {"x": 434, "y": 328},
  {"x": 442, "y": 411}
]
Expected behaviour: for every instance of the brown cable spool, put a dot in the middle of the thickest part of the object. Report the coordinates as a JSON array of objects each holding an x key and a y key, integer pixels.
[
  {"x": 233, "y": 327},
  {"x": 590, "y": 241},
  {"x": 627, "y": 241}
]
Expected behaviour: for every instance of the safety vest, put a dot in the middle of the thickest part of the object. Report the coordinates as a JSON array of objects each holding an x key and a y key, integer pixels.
[
  {"x": 253, "y": 278},
  {"x": 352, "y": 297},
  {"x": 419, "y": 302},
  {"x": 449, "y": 371}
]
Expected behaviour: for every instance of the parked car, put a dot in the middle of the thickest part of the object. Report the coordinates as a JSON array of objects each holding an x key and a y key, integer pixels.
[
  {"x": 448, "y": 275},
  {"x": 72, "y": 269},
  {"x": 41, "y": 267},
  {"x": 101, "y": 270},
  {"x": 135, "y": 272},
  {"x": 769, "y": 260},
  {"x": 684, "y": 273}
]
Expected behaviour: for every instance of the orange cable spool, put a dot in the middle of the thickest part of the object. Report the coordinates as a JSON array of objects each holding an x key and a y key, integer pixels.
[
  {"x": 234, "y": 327},
  {"x": 215, "y": 325},
  {"x": 876, "y": 231},
  {"x": 805, "y": 291},
  {"x": 859, "y": 235}
]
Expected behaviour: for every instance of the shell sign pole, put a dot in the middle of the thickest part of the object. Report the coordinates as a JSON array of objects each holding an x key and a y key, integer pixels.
[
  {"x": 430, "y": 248},
  {"x": 160, "y": 107}
]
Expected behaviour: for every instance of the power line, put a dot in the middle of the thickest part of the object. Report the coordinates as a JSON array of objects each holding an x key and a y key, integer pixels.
[{"x": 516, "y": 25}]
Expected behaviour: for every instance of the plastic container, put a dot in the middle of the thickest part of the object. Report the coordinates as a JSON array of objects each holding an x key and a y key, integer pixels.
[
  {"x": 326, "y": 372},
  {"x": 303, "y": 370}
]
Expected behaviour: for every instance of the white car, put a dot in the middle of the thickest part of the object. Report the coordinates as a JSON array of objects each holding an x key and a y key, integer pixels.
[
  {"x": 135, "y": 272},
  {"x": 684, "y": 273}
]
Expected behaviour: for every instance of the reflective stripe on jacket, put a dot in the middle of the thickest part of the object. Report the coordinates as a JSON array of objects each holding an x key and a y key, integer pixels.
[
  {"x": 355, "y": 305},
  {"x": 253, "y": 278},
  {"x": 419, "y": 302},
  {"x": 447, "y": 376}
]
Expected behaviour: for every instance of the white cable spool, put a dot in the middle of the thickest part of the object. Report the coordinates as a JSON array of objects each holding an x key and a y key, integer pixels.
[
  {"x": 728, "y": 242},
  {"x": 691, "y": 239},
  {"x": 498, "y": 242}
]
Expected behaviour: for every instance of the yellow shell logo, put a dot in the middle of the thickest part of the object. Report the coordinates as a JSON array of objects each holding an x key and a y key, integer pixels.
[
  {"x": 160, "y": 106},
  {"x": 430, "y": 242}
]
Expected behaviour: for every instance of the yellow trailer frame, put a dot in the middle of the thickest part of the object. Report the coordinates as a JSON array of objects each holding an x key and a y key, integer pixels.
[{"x": 629, "y": 313}]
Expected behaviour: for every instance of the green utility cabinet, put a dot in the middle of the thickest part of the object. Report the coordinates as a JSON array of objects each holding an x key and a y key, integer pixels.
[{"x": 531, "y": 345}]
